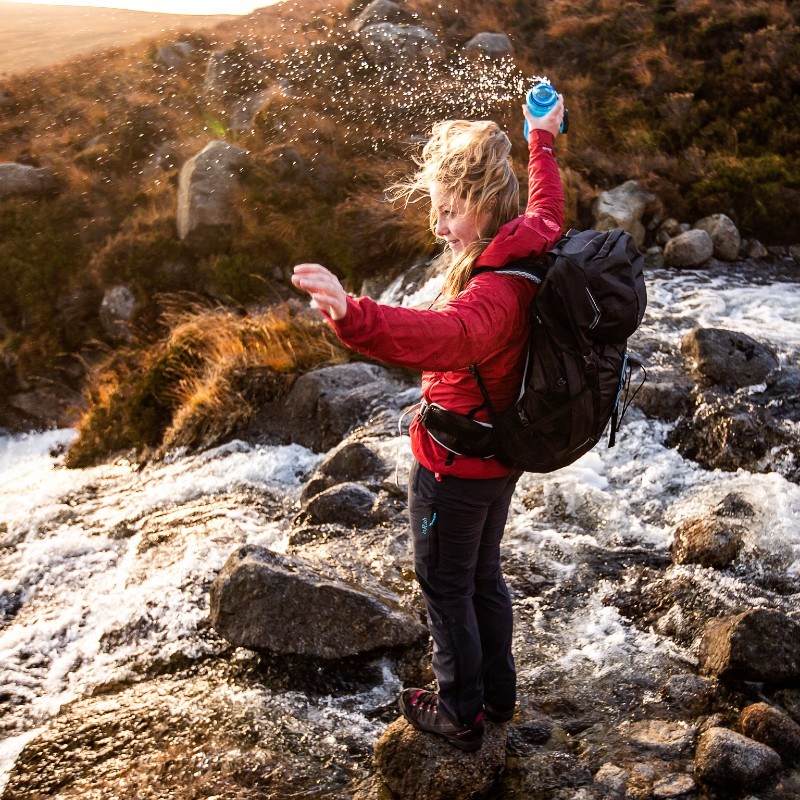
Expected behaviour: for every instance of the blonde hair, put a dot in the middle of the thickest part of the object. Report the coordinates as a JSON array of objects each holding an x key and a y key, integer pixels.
[{"x": 470, "y": 161}]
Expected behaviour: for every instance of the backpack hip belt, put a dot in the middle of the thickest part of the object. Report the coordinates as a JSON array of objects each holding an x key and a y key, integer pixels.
[{"x": 460, "y": 434}]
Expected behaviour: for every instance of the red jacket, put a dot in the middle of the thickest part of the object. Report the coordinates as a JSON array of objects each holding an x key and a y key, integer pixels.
[{"x": 487, "y": 323}]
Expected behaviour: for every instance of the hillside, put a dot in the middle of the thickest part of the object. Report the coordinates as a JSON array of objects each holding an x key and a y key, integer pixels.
[
  {"x": 699, "y": 101},
  {"x": 37, "y": 36}
]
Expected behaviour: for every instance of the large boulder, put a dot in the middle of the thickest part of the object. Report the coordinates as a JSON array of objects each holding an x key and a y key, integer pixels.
[
  {"x": 757, "y": 645},
  {"x": 689, "y": 693},
  {"x": 21, "y": 180},
  {"x": 724, "y": 235},
  {"x": 689, "y": 249},
  {"x": 352, "y": 461},
  {"x": 709, "y": 541},
  {"x": 665, "y": 400},
  {"x": 400, "y": 48},
  {"x": 494, "y": 45},
  {"x": 728, "y": 759},
  {"x": 727, "y": 358},
  {"x": 346, "y": 504},
  {"x": 418, "y": 766},
  {"x": 207, "y": 218},
  {"x": 772, "y": 727},
  {"x": 624, "y": 207},
  {"x": 382, "y": 11},
  {"x": 287, "y": 605},
  {"x": 324, "y": 405}
]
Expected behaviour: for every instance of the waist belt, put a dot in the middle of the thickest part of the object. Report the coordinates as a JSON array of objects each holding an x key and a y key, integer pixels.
[{"x": 458, "y": 433}]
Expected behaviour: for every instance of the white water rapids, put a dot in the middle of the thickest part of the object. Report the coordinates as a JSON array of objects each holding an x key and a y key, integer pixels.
[{"x": 76, "y": 566}]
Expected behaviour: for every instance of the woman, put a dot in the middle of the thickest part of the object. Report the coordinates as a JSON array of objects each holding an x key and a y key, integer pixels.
[{"x": 458, "y": 505}]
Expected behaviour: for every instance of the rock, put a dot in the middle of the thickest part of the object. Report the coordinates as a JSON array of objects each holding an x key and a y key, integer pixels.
[
  {"x": 668, "y": 739},
  {"x": 690, "y": 693},
  {"x": 727, "y": 358},
  {"x": 400, "y": 48},
  {"x": 724, "y": 235},
  {"x": 283, "y": 604},
  {"x": 611, "y": 780},
  {"x": 347, "y": 503},
  {"x": 336, "y": 399},
  {"x": 352, "y": 461},
  {"x": 662, "y": 400},
  {"x": 690, "y": 249},
  {"x": 728, "y": 759},
  {"x": 757, "y": 645},
  {"x": 418, "y": 766},
  {"x": 21, "y": 180},
  {"x": 174, "y": 55},
  {"x": 48, "y": 406},
  {"x": 493, "y": 45},
  {"x": 674, "y": 786},
  {"x": 165, "y": 156},
  {"x": 382, "y": 11},
  {"x": 752, "y": 248},
  {"x": 730, "y": 433},
  {"x": 206, "y": 216},
  {"x": 668, "y": 229},
  {"x": 711, "y": 542},
  {"x": 654, "y": 257},
  {"x": 794, "y": 252},
  {"x": 117, "y": 310},
  {"x": 372, "y": 788},
  {"x": 624, "y": 207},
  {"x": 770, "y": 726},
  {"x": 6, "y": 100}
]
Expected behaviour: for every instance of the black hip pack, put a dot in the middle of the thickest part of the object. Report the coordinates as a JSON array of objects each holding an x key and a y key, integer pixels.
[{"x": 458, "y": 433}]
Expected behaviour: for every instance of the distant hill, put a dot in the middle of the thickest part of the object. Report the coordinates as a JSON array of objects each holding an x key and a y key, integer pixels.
[{"x": 38, "y": 35}]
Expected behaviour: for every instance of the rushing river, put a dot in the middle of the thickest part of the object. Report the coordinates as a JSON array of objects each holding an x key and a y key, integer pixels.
[{"x": 83, "y": 561}]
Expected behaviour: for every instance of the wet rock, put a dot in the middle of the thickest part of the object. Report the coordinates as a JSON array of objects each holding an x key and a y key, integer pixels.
[
  {"x": 663, "y": 400},
  {"x": 546, "y": 774},
  {"x": 730, "y": 433},
  {"x": 48, "y": 406},
  {"x": 493, "y": 45},
  {"x": 689, "y": 249},
  {"x": 174, "y": 55},
  {"x": 399, "y": 48},
  {"x": 674, "y": 786},
  {"x": 724, "y": 235},
  {"x": 668, "y": 739},
  {"x": 770, "y": 726},
  {"x": 611, "y": 780},
  {"x": 624, "y": 207},
  {"x": 346, "y": 503},
  {"x": 116, "y": 311},
  {"x": 418, "y": 766},
  {"x": 352, "y": 461},
  {"x": 283, "y": 604},
  {"x": 22, "y": 180},
  {"x": 382, "y": 11},
  {"x": 690, "y": 693},
  {"x": 757, "y": 645},
  {"x": 712, "y": 542},
  {"x": 372, "y": 788},
  {"x": 727, "y": 357},
  {"x": 728, "y": 759},
  {"x": 325, "y": 404},
  {"x": 207, "y": 218}
]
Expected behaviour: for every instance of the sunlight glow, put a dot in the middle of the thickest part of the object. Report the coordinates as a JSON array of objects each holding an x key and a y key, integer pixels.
[{"x": 197, "y": 7}]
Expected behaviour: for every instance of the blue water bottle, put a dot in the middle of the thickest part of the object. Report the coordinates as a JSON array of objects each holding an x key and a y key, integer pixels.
[{"x": 540, "y": 100}]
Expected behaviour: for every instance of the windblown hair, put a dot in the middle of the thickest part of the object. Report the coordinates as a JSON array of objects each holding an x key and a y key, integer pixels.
[{"x": 470, "y": 161}]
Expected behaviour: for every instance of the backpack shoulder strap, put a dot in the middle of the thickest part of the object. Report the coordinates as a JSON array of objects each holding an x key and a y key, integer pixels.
[{"x": 533, "y": 269}]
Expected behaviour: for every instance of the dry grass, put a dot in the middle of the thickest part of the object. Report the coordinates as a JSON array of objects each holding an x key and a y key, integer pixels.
[{"x": 204, "y": 380}]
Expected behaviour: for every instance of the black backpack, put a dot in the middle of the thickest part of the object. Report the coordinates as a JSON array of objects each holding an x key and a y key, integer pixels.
[{"x": 591, "y": 298}]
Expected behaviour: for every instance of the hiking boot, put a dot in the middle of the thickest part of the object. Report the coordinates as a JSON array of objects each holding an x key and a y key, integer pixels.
[
  {"x": 421, "y": 709},
  {"x": 495, "y": 715}
]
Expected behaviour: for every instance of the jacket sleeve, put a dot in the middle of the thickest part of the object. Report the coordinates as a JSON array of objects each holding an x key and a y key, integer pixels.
[
  {"x": 461, "y": 333},
  {"x": 541, "y": 226}
]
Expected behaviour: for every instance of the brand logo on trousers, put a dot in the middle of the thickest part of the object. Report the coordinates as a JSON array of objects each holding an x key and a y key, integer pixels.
[{"x": 426, "y": 525}]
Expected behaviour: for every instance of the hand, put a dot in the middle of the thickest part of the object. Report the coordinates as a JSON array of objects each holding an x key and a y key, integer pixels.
[
  {"x": 551, "y": 121},
  {"x": 324, "y": 288}
]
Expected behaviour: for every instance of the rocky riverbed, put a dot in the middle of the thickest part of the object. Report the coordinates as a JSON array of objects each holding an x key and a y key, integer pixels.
[{"x": 656, "y": 596}]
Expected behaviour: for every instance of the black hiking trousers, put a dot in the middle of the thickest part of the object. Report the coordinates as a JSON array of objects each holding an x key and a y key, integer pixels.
[{"x": 457, "y": 525}]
